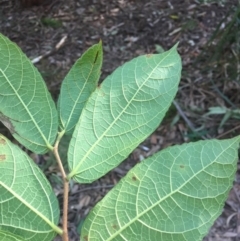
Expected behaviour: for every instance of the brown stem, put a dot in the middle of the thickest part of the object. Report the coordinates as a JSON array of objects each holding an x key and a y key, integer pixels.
[
  {"x": 65, "y": 188},
  {"x": 65, "y": 209}
]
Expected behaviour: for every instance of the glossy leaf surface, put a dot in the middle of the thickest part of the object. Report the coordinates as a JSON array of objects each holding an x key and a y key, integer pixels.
[
  {"x": 26, "y": 107},
  {"x": 78, "y": 85},
  {"x": 175, "y": 195},
  {"x": 122, "y": 112},
  {"x": 28, "y": 206}
]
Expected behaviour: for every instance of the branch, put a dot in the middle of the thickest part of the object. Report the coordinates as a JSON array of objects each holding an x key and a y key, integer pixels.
[{"x": 65, "y": 187}]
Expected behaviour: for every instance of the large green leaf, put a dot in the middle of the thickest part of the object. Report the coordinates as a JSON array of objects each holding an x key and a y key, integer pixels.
[
  {"x": 26, "y": 107},
  {"x": 122, "y": 112},
  {"x": 78, "y": 85},
  {"x": 173, "y": 196},
  {"x": 28, "y": 206}
]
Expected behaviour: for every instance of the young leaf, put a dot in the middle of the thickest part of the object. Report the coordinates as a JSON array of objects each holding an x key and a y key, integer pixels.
[
  {"x": 26, "y": 107},
  {"x": 121, "y": 113},
  {"x": 78, "y": 85},
  {"x": 28, "y": 206},
  {"x": 174, "y": 195}
]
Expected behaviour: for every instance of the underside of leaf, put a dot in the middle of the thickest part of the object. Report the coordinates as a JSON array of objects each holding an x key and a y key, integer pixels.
[
  {"x": 121, "y": 113},
  {"x": 5, "y": 236},
  {"x": 26, "y": 107},
  {"x": 174, "y": 195},
  {"x": 28, "y": 206},
  {"x": 78, "y": 85}
]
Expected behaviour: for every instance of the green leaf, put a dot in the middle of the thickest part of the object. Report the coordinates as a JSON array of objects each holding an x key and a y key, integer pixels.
[
  {"x": 121, "y": 113},
  {"x": 26, "y": 107},
  {"x": 174, "y": 195},
  {"x": 28, "y": 206},
  {"x": 5, "y": 236},
  {"x": 78, "y": 85}
]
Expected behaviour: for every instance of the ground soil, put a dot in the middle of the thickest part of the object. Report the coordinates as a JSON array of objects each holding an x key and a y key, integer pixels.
[{"x": 129, "y": 29}]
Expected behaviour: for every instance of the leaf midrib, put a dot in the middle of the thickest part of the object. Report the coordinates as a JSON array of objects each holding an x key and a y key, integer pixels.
[
  {"x": 157, "y": 203},
  {"x": 51, "y": 224},
  {"x": 110, "y": 157},
  {"x": 76, "y": 102},
  {"x": 25, "y": 107},
  {"x": 74, "y": 171}
]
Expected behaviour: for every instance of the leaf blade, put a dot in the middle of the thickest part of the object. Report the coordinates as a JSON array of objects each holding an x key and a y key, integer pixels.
[
  {"x": 28, "y": 205},
  {"x": 78, "y": 85},
  {"x": 169, "y": 196},
  {"x": 5, "y": 236},
  {"x": 112, "y": 121},
  {"x": 26, "y": 107}
]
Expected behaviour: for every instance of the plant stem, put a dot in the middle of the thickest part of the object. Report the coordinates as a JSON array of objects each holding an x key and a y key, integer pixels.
[
  {"x": 65, "y": 209},
  {"x": 65, "y": 188}
]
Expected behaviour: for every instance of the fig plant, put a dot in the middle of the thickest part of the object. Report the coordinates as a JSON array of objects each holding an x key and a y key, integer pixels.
[{"x": 174, "y": 195}]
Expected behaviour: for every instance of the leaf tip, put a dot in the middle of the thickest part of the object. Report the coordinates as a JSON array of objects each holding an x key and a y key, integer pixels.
[{"x": 175, "y": 46}]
